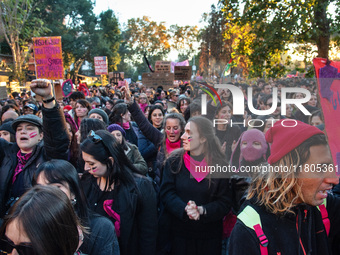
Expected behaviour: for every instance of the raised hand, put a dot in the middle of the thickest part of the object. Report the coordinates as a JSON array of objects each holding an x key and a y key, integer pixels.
[{"x": 43, "y": 88}]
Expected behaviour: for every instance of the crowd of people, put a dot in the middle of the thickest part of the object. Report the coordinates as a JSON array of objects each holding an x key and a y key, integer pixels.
[{"x": 131, "y": 170}]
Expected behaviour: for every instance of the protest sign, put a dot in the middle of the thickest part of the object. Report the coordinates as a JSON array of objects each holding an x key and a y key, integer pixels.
[
  {"x": 58, "y": 91},
  {"x": 163, "y": 67},
  {"x": 48, "y": 57},
  {"x": 183, "y": 73},
  {"x": 158, "y": 79},
  {"x": 100, "y": 65},
  {"x": 328, "y": 75}
]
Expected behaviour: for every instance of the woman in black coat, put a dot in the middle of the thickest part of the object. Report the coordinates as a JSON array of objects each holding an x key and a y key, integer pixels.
[
  {"x": 116, "y": 192},
  {"x": 196, "y": 201}
]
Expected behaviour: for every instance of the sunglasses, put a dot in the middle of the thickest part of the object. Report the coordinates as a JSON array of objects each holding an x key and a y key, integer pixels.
[
  {"x": 7, "y": 246},
  {"x": 95, "y": 138}
]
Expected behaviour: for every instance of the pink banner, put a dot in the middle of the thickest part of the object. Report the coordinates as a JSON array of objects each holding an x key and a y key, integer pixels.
[
  {"x": 328, "y": 74},
  {"x": 183, "y": 63}
]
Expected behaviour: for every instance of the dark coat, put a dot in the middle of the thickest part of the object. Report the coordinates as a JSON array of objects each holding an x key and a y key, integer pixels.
[
  {"x": 177, "y": 190},
  {"x": 151, "y": 133},
  {"x": 283, "y": 232},
  {"x": 54, "y": 146},
  {"x": 102, "y": 239},
  {"x": 137, "y": 207}
]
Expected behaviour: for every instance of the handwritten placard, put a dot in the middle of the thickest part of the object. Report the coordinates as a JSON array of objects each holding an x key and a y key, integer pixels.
[
  {"x": 183, "y": 73},
  {"x": 158, "y": 79},
  {"x": 48, "y": 57},
  {"x": 163, "y": 67},
  {"x": 100, "y": 65}
]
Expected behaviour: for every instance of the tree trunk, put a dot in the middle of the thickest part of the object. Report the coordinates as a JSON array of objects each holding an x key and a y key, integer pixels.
[
  {"x": 322, "y": 28},
  {"x": 17, "y": 68},
  {"x": 77, "y": 66}
]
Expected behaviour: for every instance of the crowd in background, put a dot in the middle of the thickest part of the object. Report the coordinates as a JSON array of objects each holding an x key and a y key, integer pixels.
[{"x": 134, "y": 148}]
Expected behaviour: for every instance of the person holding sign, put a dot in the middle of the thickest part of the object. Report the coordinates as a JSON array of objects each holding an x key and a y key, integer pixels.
[{"x": 36, "y": 141}]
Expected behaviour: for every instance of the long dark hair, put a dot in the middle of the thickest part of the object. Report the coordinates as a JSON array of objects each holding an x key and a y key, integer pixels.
[
  {"x": 48, "y": 219},
  {"x": 118, "y": 171},
  {"x": 86, "y": 125},
  {"x": 152, "y": 109},
  {"x": 183, "y": 99},
  {"x": 61, "y": 171},
  {"x": 116, "y": 114},
  {"x": 212, "y": 146}
]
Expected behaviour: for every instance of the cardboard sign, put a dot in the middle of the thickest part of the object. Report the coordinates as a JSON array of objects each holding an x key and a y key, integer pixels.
[
  {"x": 158, "y": 79},
  {"x": 58, "y": 91},
  {"x": 163, "y": 67},
  {"x": 3, "y": 92},
  {"x": 183, "y": 73},
  {"x": 328, "y": 77},
  {"x": 48, "y": 57},
  {"x": 100, "y": 65}
]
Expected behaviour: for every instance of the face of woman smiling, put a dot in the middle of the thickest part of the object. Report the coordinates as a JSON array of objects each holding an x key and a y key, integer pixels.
[
  {"x": 224, "y": 113},
  {"x": 157, "y": 118},
  {"x": 184, "y": 106}
]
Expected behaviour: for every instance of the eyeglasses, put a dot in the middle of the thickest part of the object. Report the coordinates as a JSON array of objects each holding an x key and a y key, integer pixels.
[
  {"x": 95, "y": 138},
  {"x": 176, "y": 95},
  {"x": 142, "y": 98},
  {"x": 7, "y": 246}
]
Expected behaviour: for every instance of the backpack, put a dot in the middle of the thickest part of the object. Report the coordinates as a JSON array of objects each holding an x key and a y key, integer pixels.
[{"x": 251, "y": 219}]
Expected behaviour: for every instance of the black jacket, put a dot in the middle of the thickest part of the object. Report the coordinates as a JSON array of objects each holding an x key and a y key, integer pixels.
[
  {"x": 136, "y": 205},
  {"x": 151, "y": 133},
  {"x": 102, "y": 239},
  {"x": 54, "y": 145},
  {"x": 283, "y": 233},
  {"x": 178, "y": 189}
]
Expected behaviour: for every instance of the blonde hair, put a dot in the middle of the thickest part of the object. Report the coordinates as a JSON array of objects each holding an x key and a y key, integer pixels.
[{"x": 279, "y": 190}]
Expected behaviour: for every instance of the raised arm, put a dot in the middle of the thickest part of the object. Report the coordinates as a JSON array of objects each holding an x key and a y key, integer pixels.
[
  {"x": 149, "y": 131},
  {"x": 56, "y": 139}
]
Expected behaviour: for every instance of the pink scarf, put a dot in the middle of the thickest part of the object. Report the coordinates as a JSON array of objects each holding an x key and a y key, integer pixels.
[
  {"x": 107, "y": 205},
  {"x": 191, "y": 164},
  {"x": 172, "y": 146},
  {"x": 125, "y": 125},
  {"x": 143, "y": 106},
  {"x": 22, "y": 160}
]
